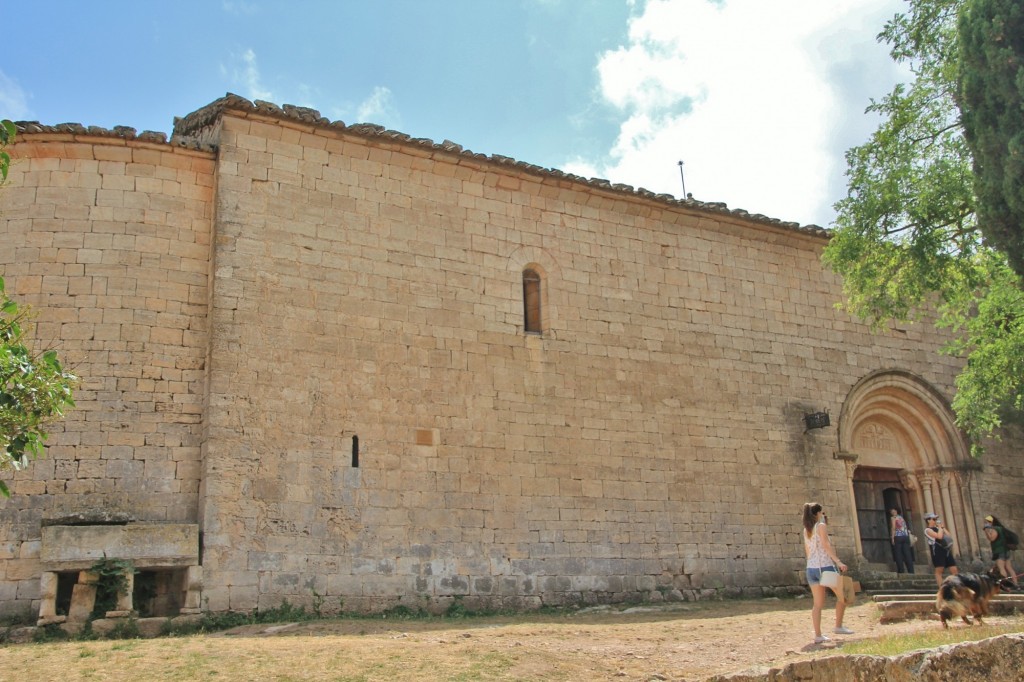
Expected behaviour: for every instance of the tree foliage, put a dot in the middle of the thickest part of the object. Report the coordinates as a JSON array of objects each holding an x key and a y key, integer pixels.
[
  {"x": 991, "y": 99},
  {"x": 34, "y": 388},
  {"x": 7, "y": 132},
  {"x": 907, "y": 237},
  {"x": 907, "y": 229}
]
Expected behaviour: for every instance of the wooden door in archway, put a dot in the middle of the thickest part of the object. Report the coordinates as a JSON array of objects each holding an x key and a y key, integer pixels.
[{"x": 877, "y": 490}]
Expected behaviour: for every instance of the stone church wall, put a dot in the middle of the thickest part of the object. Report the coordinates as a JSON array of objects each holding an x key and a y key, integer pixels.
[
  {"x": 308, "y": 339},
  {"x": 651, "y": 440},
  {"x": 109, "y": 242}
]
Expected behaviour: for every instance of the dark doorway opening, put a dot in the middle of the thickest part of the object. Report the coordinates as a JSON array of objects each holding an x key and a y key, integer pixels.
[
  {"x": 159, "y": 592},
  {"x": 65, "y": 586}
]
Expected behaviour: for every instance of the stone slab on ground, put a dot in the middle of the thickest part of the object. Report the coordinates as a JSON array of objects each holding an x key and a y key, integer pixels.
[
  {"x": 996, "y": 658},
  {"x": 896, "y": 610}
]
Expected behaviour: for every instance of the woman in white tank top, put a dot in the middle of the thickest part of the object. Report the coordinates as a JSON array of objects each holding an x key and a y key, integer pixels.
[{"x": 821, "y": 557}]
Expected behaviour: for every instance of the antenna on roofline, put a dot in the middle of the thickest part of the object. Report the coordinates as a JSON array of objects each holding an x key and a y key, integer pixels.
[{"x": 685, "y": 195}]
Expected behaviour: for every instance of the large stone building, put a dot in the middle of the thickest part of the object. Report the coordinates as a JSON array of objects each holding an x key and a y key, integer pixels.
[{"x": 334, "y": 363}]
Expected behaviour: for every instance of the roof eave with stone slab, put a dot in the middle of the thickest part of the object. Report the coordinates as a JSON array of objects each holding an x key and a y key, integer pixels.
[{"x": 193, "y": 132}]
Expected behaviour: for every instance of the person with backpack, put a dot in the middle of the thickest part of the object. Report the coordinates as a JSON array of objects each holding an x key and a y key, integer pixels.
[{"x": 1003, "y": 541}]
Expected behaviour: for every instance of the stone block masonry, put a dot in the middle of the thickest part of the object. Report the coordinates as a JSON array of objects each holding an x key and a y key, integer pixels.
[
  {"x": 313, "y": 347},
  {"x": 108, "y": 241}
]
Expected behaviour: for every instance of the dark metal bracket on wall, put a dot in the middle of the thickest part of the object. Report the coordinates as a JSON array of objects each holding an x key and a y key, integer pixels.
[{"x": 816, "y": 420}]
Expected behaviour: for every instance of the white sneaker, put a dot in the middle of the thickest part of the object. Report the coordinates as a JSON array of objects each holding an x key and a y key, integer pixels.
[
  {"x": 843, "y": 631},
  {"x": 821, "y": 639}
]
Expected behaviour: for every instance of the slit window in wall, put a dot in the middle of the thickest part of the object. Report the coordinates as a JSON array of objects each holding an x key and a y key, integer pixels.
[
  {"x": 355, "y": 452},
  {"x": 531, "y": 302}
]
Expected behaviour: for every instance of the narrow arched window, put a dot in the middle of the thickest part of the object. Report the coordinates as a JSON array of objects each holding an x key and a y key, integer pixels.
[{"x": 531, "y": 302}]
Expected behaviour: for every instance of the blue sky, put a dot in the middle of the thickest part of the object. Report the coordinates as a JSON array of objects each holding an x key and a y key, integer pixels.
[{"x": 759, "y": 98}]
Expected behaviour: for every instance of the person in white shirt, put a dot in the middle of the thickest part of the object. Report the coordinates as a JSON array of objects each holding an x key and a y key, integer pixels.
[{"x": 821, "y": 558}]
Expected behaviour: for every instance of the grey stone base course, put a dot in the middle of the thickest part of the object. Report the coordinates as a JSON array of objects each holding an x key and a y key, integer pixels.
[
  {"x": 988, "y": 660},
  {"x": 521, "y": 603},
  {"x": 146, "y": 627},
  {"x": 153, "y": 627}
]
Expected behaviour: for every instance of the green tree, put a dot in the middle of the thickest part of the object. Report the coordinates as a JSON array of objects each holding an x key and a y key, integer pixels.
[
  {"x": 907, "y": 238},
  {"x": 7, "y": 132},
  {"x": 34, "y": 388},
  {"x": 991, "y": 99}
]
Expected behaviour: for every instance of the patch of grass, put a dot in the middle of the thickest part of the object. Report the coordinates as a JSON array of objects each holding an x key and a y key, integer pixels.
[
  {"x": 125, "y": 629},
  {"x": 487, "y": 666},
  {"x": 456, "y": 609},
  {"x": 894, "y": 645},
  {"x": 86, "y": 634},
  {"x": 286, "y": 612},
  {"x": 226, "y": 620},
  {"x": 50, "y": 633},
  {"x": 401, "y": 612}
]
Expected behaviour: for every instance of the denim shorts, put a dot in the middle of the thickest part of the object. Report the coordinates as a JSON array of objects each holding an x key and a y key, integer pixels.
[
  {"x": 1005, "y": 556},
  {"x": 814, "y": 574}
]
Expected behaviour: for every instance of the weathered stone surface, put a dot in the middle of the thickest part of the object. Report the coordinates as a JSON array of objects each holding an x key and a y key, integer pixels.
[
  {"x": 274, "y": 311},
  {"x": 146, "y": 627},
  {"x": 146, "y": 545},
  {"x": 95, "y": 517},
  {"x": 83, "y": 599},
  {"x": 997, "y": 658}
]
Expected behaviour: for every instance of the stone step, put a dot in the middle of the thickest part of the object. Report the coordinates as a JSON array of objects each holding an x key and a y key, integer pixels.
[
  {"x": 874, "y": 581},
  {"x": 930, "y": 596},
  {"x": 902, "y": 609}
]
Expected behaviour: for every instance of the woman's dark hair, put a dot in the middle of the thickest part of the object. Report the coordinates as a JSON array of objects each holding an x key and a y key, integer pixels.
[
  {"x": 994, "y": 521},
  {"x": 811, "y": 510}
]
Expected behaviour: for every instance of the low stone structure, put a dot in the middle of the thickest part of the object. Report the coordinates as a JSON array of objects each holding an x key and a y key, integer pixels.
[
  {"x": 895, "y": 608},
  {"x": 367, "y": 370},
  {"x": 172, "y": 549},
  {"x": 997, "y": 658}
]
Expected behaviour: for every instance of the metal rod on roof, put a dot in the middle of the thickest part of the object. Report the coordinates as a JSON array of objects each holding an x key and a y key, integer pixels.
[{"x": 682, "y": 178}]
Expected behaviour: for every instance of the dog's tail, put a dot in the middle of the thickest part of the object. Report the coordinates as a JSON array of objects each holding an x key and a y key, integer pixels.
[
  {"x": 953, "y": 601},
  {"x": 951, "y": 592}
]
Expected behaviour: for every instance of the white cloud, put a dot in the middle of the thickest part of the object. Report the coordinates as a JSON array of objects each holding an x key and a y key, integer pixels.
[
  {"x": 245, "y": 75},
  {"x": 13, "y": 100},
  {"x": 747, "y": 94},
  {"x": 379, "y": 108}
]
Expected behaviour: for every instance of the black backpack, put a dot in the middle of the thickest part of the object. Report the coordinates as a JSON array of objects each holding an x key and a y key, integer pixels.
[{"x": 1012, "y": 541}]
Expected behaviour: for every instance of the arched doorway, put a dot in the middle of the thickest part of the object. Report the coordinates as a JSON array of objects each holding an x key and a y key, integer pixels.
[{"x": 903, "y": 450}]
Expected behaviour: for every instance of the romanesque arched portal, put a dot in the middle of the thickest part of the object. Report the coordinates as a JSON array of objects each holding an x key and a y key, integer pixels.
[{"x": 902, "y": 448}]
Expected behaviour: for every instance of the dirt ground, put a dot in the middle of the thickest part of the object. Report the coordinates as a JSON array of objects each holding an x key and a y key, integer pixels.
[{"x": 688, "y": 641}]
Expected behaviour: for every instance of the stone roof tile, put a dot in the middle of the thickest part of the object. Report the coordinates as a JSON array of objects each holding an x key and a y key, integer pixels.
[
  {"x": 187, "y": 128},
  {"x": 123, "y": 132}
]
